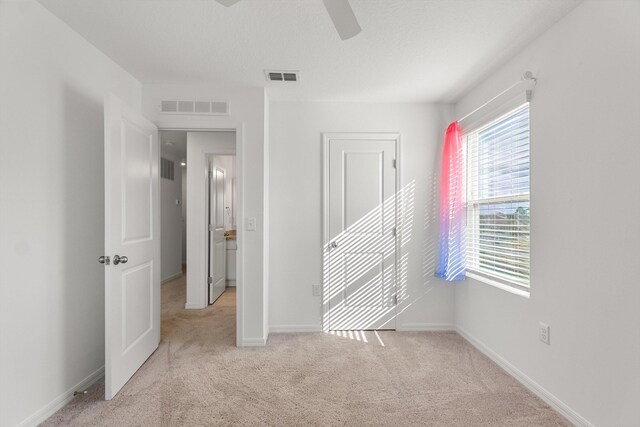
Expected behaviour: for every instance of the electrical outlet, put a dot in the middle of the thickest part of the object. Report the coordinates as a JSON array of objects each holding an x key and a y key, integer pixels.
[
  {"x": 315, "y": 289},
  {"x": 543, "y": 333}
]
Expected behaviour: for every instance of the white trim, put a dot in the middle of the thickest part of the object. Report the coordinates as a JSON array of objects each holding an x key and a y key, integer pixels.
[
  {"x": 253, "y": 342},
  {"x": 534, "y": 387},
  {"x": 405, "y": 327},
  {"x": 427, "y": 327},
  {"x": 194, "y": 306},
  {"x": 324, "y": 321},
  {"x": 507, "y": 100},
  {"x": 326, "y": 139},
  {"x": 172, "y": 277},
  {"x": 282, "y": 329},
  {"x": 62, "y": 400},
  {"x": 497, "y": 284}
]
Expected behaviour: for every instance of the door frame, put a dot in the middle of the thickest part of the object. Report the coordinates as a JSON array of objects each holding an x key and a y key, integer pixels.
[
  {"x": 217, "y": 124},
  {"x": 357, "y": 136}
]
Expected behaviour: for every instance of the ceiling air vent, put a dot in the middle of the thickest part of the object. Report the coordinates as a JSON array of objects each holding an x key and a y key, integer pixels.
[
  {"x": 212, "y": 108},
  {"x": 282, "y": 76}
]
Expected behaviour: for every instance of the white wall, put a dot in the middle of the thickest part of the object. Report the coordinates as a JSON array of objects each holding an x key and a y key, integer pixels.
[
  {"x": 585, "y": 201},
  {"x": 52, "y": 85},
  {"x": 296, "y": 207},
  {"x": 171, "y": 219}
]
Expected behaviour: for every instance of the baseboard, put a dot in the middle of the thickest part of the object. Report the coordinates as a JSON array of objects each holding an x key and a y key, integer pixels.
[
  {"x": 193, "y": 306},
  {"x": 59, "y": 402},
  {"x": 535, "y": 388},
  {"x": 405, "y": 327},
  {"x": 253, "y": 342},
  {"x": 408, "y": 327},
  {"x": 281, "y": 329},
  {"x": 230, "y": 283},
  {"x": 172, "y": 277}
]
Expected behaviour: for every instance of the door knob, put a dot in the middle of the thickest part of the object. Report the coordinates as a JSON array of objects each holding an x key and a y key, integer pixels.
[
  {"x": 117, "y": 259},
  {"x": 334, "y": 245},
  {"x": 103, "y": 260}
]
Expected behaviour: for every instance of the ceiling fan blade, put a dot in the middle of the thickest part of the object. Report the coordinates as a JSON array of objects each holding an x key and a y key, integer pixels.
[
  {"x": 227, "y": 3},
  {"x": 343, "y": 18}
]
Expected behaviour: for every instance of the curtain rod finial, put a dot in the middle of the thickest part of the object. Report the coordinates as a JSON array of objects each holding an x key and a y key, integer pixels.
[{"x": 528, "y": 75}]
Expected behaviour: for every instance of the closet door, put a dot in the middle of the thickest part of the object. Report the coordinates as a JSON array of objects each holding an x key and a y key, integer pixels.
[{"x": 360, "y": 269}]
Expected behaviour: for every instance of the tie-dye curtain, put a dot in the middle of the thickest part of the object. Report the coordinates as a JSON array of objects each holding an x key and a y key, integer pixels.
[{"x": 451, "y": 262}]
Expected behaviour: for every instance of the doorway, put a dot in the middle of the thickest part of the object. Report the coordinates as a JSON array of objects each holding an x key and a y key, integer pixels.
[
  {"x": 221, "y": 217},
  {"x": 199, "y": 193},
  {"x": 173, "y": 206}
]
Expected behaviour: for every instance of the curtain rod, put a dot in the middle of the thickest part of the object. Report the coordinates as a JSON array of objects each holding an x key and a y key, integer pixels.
[{"x": 527, "y": 76}]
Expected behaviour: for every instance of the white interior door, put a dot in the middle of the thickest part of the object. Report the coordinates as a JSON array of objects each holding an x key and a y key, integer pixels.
[
  {"x": 217, "y": 252},
  {"x": 132, "y": 242},
  {"x": 360, "y": 269}
]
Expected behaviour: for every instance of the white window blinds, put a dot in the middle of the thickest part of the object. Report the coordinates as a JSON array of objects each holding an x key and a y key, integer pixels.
[{"x": 498, "y": 199}]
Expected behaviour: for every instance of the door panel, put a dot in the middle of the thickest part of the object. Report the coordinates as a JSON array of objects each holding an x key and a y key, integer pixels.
[
  {"x": 132, "y": 230},
  {"x": 137, "y": 297},
  {"x": 363, "y": 192},
  {"x": 361, "y": 265},
  {"x": 137, "y": 183},
  {"x": 220, "y": 187},
  {"x": 364, "y": 283},
  {"x": 219, "y": 258}
]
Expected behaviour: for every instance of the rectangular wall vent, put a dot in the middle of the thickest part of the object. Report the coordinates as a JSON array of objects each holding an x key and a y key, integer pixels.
[
  {"x": 282, "y": 76},
  {"x": 202, "y": 107},
  {"x": 215, "y": 108},
  {"x": 219, "y": 108},
  {"x": 166, "y": 168},
  {"x": 169, "y": 106},
  {"x": 185, "y": 107}
]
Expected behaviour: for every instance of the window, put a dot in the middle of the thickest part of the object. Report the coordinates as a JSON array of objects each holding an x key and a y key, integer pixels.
[{"x": 498, "y": 204}]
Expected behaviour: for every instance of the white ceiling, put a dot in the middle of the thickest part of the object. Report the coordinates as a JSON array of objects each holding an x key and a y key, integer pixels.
[{"x": 409, "y": 50}]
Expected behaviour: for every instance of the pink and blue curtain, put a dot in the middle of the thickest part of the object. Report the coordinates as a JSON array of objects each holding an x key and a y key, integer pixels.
[{"x": 451, "y": 261}]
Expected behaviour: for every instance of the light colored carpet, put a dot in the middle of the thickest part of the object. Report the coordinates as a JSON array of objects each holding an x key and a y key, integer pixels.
[{"x": 198, "y": 377}]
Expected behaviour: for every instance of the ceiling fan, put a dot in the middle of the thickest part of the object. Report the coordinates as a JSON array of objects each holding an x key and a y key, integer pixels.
[{"x": 340, "y": 12}]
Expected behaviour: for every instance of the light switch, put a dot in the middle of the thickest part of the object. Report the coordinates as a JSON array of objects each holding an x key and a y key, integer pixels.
[{"x": 251, "y": 223}]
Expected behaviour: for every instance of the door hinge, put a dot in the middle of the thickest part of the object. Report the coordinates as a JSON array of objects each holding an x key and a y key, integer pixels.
[
  {"x": 209, "y": 280},
  {"x": 395, "y": 299},
  {"x": 210, "y": 227},
  {"x": 395, "y": 163},
  {"x": 210, "y": 174}
]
